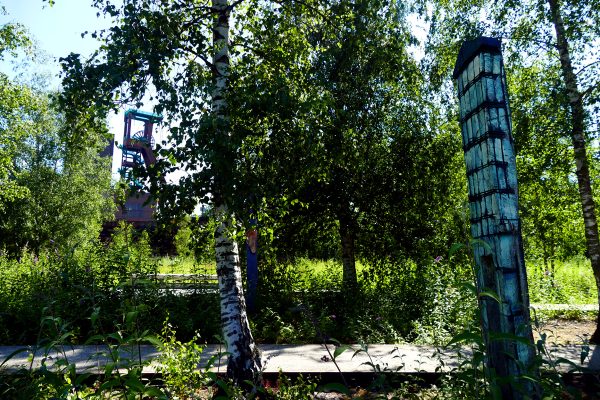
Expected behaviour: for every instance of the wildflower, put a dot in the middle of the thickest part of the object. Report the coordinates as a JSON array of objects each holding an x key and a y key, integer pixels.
[{"x": 438, "y": 259}]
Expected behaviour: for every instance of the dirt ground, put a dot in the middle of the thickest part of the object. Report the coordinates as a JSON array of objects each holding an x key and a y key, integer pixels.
[{"x": 562, "y": 331}]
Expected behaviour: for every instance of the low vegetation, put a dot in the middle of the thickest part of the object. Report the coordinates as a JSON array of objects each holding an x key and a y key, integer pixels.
[{"x": 100, "y": 289}]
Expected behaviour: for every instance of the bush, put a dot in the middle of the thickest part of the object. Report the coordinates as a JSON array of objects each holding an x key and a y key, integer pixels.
[{"x": 95, "y": 280}]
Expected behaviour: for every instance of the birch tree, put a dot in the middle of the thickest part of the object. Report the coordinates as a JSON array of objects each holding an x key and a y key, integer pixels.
[
  {"x": 177, "y": 54},
  {"x": 244, "y": 361},
  {"x": 578, "y": 138}
]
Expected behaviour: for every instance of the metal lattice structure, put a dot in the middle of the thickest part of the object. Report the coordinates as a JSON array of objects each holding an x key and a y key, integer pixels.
[{"x": 137, "y": 149}]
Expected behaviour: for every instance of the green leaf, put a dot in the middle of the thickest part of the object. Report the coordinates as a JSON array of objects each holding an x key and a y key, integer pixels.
[
  {"x": 95, "y": 339},
  {"x": 489, "y": 293},
  {"x": 468, "y": 337},
  {"x": 470, "y": 287},
  {"x": 340, "y": 349},
  {"x": 585, "y": 351},
  {"x": 14, "y": 353},
  {"x": 482, "y": 243},
  {"x": 153, "y": 340},
  {"x": 131, "y": 316},
  {"x": 454, "y": 248},
  {"x": 153, "y": 391}
]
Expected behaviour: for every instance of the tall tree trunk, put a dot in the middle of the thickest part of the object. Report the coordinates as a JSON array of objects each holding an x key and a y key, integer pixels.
[
  {"x": 579, "y": 150},
  {"x": 244, "y": 360},
  {"x": 347, "y": 237}
]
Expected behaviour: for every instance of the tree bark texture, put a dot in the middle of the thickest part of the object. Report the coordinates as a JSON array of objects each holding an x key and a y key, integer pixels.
[
  {"x": 243, "y": 360},
  {"x": 579, "y": 150},
  {"x": 347, "y": 236}
]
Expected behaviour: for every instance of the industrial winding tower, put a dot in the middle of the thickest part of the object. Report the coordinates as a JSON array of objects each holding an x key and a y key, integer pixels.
[{"x": 137, "y": 150}]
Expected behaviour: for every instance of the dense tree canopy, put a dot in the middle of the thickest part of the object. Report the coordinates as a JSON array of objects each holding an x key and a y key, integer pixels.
[
  {"x": 51, "y": 194},
  {"x": 344, "y": 131}
]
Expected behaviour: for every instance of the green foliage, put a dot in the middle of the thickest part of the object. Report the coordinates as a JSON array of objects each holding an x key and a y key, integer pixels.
[
  {"x": 286, "y": 389},
  {"x": 183, "y": 240},
  {"x": 331, "y": 135},
  {"x": 57, "y": 378},
  {"x": 13, "y": 37},
  {"x": 561, "y": 282},
  {"x": 51, "y": 195},
  {"x": 552, "y": 223},
  {"x": 450, "y": 304},
  {"x": 179, "y": 365},
  {"x": 95, "y": 280},
  {"x": 343, "y": 144},
  {"x": 395, "y": 301},
  {"x": 203, "y": 239}
]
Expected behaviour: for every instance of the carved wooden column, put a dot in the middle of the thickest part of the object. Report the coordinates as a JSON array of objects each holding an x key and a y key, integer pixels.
[{"x": 493, "y": 200}]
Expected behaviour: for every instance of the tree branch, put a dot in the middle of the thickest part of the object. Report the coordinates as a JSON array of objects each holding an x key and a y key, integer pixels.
[
  {"x": 201, "y": 57},
  {"x": 589, "y": 65}
]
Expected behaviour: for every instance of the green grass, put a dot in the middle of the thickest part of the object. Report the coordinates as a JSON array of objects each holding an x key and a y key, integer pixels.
[
  {"x": 180, "y": 265},
  {"x": 305, "y": 266},
  {"x": 571, "y": 282},
  {"x": 311, "y": 267}
]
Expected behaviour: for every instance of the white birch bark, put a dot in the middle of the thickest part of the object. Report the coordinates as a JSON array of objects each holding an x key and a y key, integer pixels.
[{"x": 244, "y": 360}]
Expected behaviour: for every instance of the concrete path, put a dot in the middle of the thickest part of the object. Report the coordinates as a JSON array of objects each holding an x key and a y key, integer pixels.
[
  {"x": 564, "y": 307},
  {"x": 311, "y": 358}
]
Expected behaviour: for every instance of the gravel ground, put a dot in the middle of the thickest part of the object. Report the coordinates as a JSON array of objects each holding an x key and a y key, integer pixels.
[{"x": 561, "y": 331}]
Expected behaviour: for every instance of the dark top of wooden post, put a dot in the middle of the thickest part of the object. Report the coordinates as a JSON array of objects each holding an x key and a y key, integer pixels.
[{"x": 471, "y": 48}]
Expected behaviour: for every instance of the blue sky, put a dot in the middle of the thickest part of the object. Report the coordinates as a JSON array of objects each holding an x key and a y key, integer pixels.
[
  {"x": 57, "y": 32},
  {"x": 56, "y": 29}
]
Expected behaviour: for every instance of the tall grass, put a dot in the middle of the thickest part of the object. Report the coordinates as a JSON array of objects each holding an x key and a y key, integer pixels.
[
  {"x": 184, "y": 265},
  {"x": 562, "y": 282},
  {"x": 298, "y": 302}
]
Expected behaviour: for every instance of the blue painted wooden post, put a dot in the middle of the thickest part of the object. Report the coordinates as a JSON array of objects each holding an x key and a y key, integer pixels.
[
  {"x": 252, "y": 263},
  {"x": 493, "y": 200}
]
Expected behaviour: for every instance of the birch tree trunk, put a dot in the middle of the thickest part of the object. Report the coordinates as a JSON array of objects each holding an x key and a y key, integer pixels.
[
  {"x": 579, "y": 151},
  {"x": 243, "y": 361}
]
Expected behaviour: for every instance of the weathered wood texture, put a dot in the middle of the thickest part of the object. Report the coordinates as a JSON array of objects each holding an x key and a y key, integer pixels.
[{"x": 493, "y": 200}]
